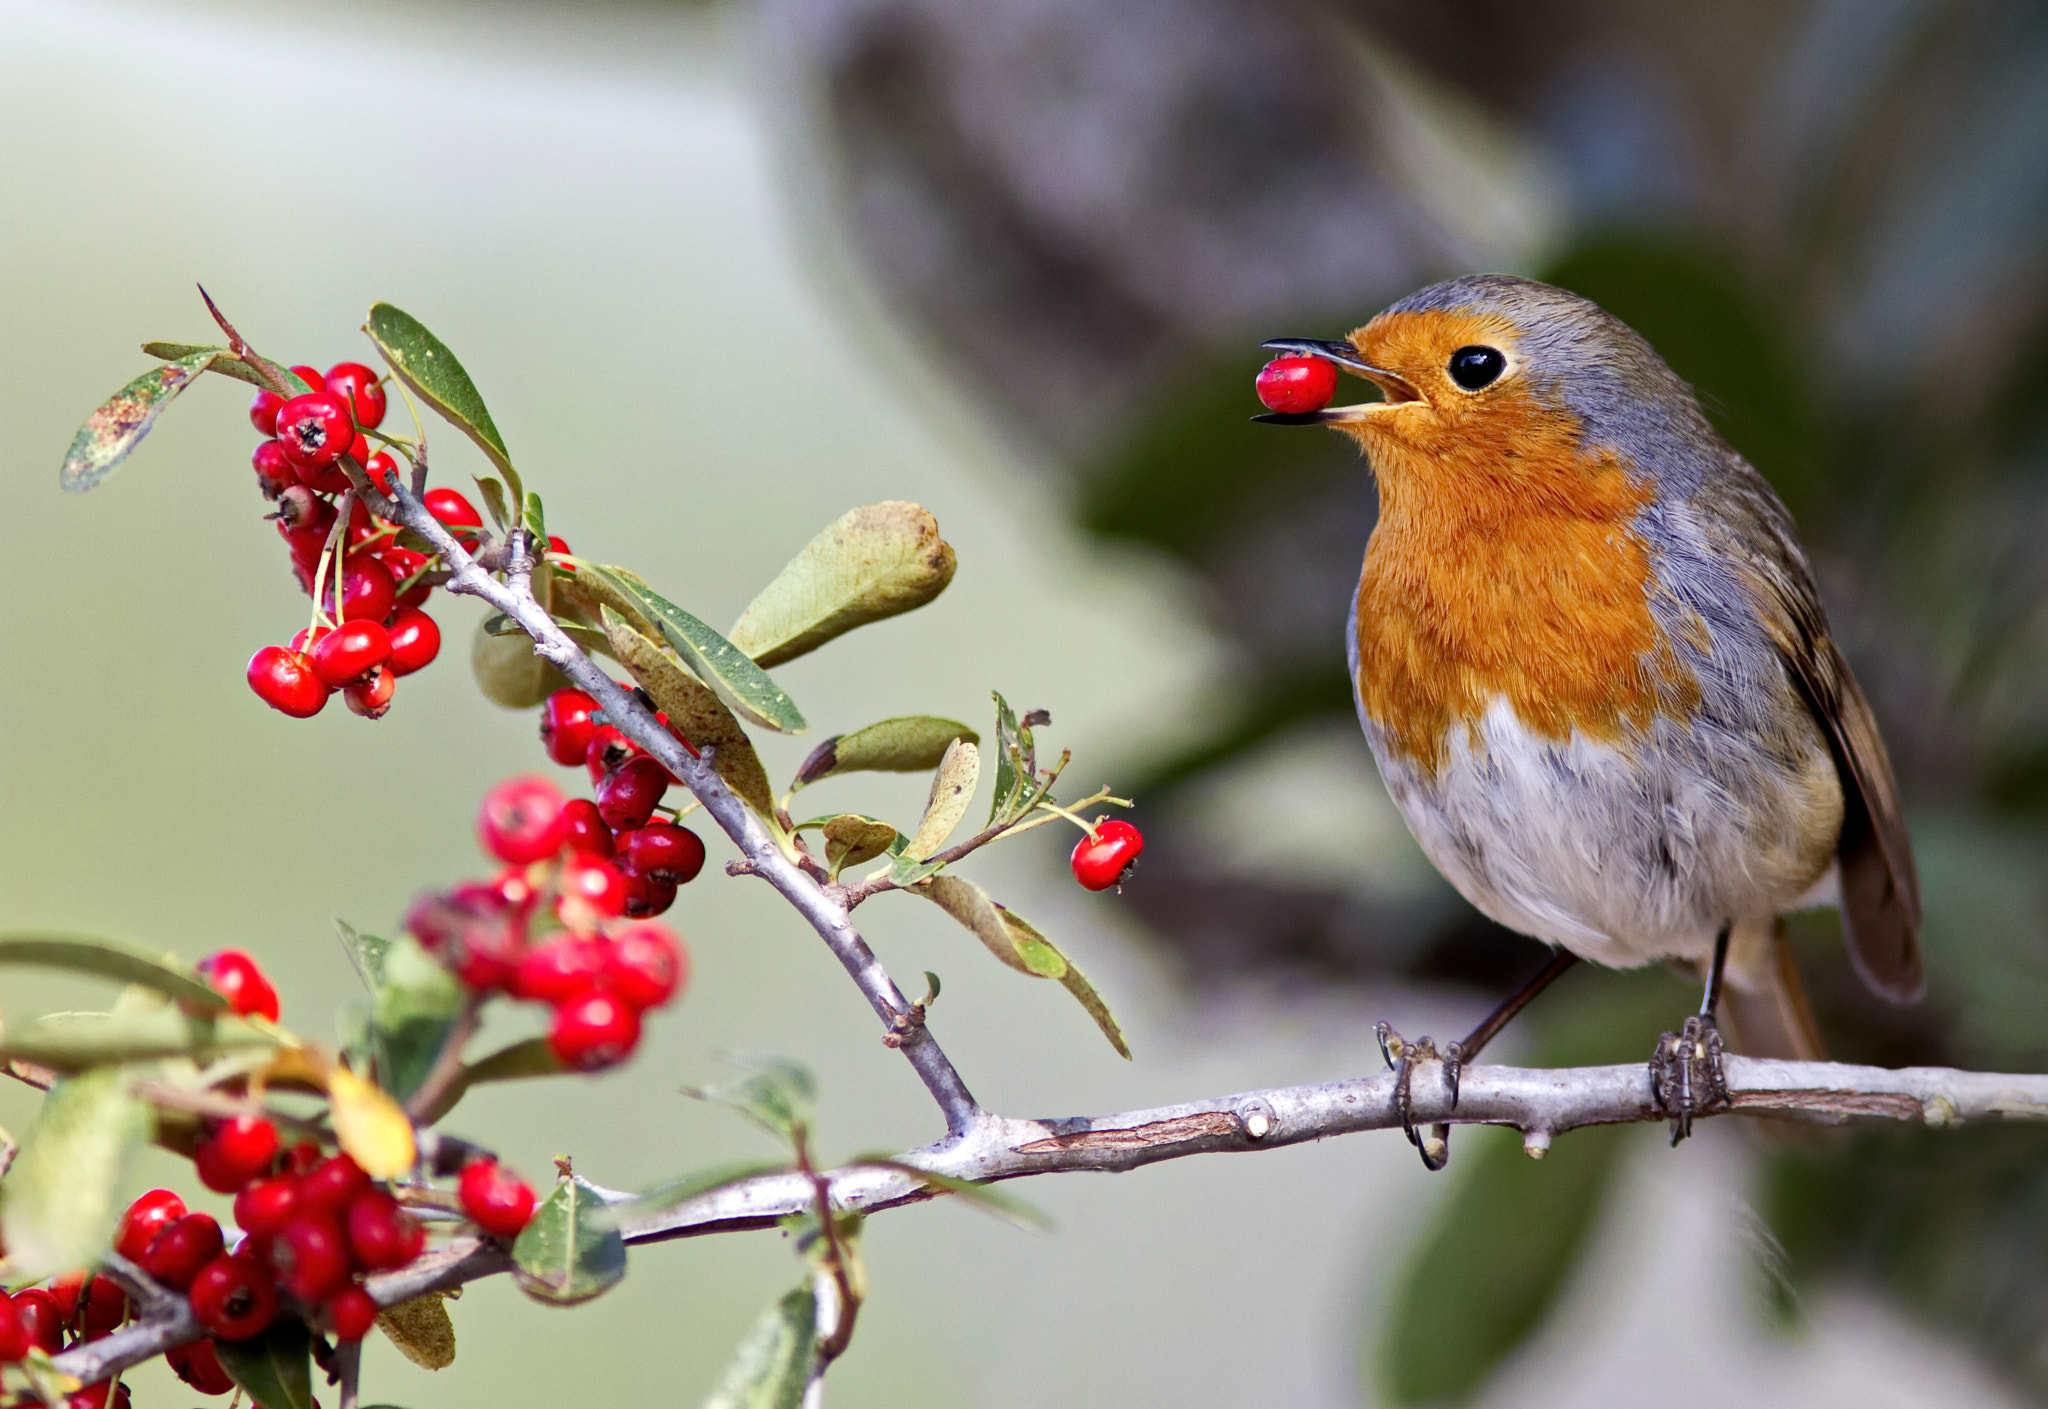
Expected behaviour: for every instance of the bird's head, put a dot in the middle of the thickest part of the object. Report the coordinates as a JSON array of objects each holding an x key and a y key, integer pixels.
[{"x": 1498, "y": 382}]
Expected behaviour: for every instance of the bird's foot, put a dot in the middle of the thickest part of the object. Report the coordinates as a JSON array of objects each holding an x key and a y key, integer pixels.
[
  {"x": 1402, "y": 1056},
  {"x": 1686, "y": 1074}
]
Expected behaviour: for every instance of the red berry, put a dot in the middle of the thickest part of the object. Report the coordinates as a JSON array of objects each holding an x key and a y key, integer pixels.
[
  {"x": 234, "y": 1297},
  {"x": 647, "y": 897},
  {"x": 327, "y": 1189},
  {"x": 311, "y": 1257},
  {"x": 372, "y": 698},
  {"x": 98, "y": 1396},
  {"x": 368, "y": 592},
  {"x": 1102, "y": 861},
  {"x": 263, "y": 412},
  {"x": 235, "y": 1152},
  {"x": 197, "y": 1364},
  {"x": 628, "y": 794},
  {"x": 106, "y": 1306},
  {"x": 360, "y": 388},
  {"x": 1296, "y": 385},
  {"x": 39, "y": 1312},
  {"x": 415, "y": 640},
  {"x": 404, "y": 564},
  {"x": 559, "y": 548},
  {"x": 146, "y": 1217},
  {"x": 350, "y": 652},
  {"x": 455, "y": 512},
  {"x": 383, "y": 471},
  {"x": 351, "y": 1313},
  {"x": 594, "y": 1030},
  {"x": 286, "y": 681},
  {"x": 646, "y": 964},
  {"x": 496, "y": 1200},
  {"x": 274, "y": 474},
  {"x": 566, "y": 726},
  {"x": 665, "y": 852},
  {"x": 520, "y": 821},
  {"x": 15, "y": 1336},
  {"x": 300, "y": 514},
  {"x": 235, "y": 976},
  {"x": 561, "y": 968},
  {"x": 183, "y": 1248},
  {"x": 592, "y": 884},
  {"x": 583, "y": 830},
  {"x": 310, "y": 376},
  {"x": 380, "y": 1233},
  {"x": 608, "y": 750},
  {"x": 314, "y": 430},
  {"x": 264, "y": 1206}
]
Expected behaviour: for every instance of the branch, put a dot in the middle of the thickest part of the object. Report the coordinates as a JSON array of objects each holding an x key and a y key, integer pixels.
[
  {"x": 763, "y": 855},
  {"x": 1540, "y": 1103}
]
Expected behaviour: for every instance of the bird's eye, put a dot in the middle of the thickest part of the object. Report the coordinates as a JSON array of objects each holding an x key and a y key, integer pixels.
[{"x": 1475, "y": 367}]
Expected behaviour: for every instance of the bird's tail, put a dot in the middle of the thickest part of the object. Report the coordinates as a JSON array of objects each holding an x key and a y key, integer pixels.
[{"x": 1763, "y": 1004}]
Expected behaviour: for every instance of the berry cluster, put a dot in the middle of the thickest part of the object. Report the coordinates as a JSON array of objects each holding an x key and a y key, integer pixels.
[
  {"x": 312, "y": 1223},
  {"x": 363, "y": 639},
  {"x": 567, "y": 922}
]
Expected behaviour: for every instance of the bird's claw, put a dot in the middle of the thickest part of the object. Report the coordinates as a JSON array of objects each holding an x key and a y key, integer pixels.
[
  {"x": 1401, "y": 1056},
  {"x": 1686, "y": 1074}
]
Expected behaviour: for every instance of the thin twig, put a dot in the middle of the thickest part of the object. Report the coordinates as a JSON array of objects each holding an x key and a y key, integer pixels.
[
  {"x": 765, "y": 856},
  {"x": 447, "y": 1068},
  {"x": 834, "y": 1345}
]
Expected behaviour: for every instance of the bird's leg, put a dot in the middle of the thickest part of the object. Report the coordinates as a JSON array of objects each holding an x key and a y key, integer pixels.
[
  {"x": 1686, "y": 1074},
  {"x": 1401, "y": 1056}
]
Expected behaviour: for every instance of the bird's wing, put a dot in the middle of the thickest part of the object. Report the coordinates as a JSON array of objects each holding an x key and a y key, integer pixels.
[{"x": 1880, "y": 890}]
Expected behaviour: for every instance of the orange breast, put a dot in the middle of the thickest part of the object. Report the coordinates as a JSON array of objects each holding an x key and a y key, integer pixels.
[{"x": 1505, "y": 567}]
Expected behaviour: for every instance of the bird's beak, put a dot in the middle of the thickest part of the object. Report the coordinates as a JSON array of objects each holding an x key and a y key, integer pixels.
[{"x": 1393, "y": 386}]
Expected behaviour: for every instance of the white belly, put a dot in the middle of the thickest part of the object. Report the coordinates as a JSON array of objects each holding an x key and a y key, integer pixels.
[{"x": 1621, "y": 855}]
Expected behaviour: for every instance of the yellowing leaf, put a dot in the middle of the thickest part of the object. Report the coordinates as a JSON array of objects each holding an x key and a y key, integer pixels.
[
  {"x": 698, "y": 714},
  {"x": 875, "y": 562},
  {"x": 421, "y": 1330},
  {"x": 370, "y": 1125},
  {"x": 952, "y": 790},
  {"x": 909, "y": 744}
]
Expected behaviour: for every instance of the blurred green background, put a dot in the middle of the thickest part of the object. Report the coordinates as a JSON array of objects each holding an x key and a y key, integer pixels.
[{"x": 724, "y": 271}]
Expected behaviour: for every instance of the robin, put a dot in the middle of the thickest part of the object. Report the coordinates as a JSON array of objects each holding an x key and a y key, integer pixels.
[{"x": 1591, "y": 662}]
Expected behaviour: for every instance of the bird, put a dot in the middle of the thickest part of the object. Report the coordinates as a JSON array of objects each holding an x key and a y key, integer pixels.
[{"x": 1592, "y": 664}]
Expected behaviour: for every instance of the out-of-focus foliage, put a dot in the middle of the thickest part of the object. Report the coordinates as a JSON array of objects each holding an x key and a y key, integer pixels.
[{"x": 1824, "y": 214}]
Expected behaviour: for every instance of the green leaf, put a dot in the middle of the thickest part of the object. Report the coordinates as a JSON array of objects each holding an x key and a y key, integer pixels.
[
  {"x": 693, "y": 711},
  {"x": 1017, "y": 785},
  {"x": 1007, "y": 1207},
  {"x": 424, "y": 363},
  {"x": 780, "y": 1095},
  {"x": 875, "y": 562},
  {"x": 572, "y": 1250},
  {"x": 274, "y": 1369},
  {"x": 61, "y": 1200},
  {"x": 224, "y": 361},
  {"x": 494, "y": 500},
  {"x": 743, "y": 685},
  {"x": 1076, "y": 983},
  {"x": 851, "y": 839},
  {"x": 1018, "y": 943},
  {"x": 77, "y": 1041},
  {"x": 508, "y": 672},
  {"x": 520, "y": 1061},
  {"x": 1008, "y": 938},
  {"x": 910, "y": 744},
  {"x": 417, "y": 1001},
  {"x": 953, "y": 787},
  {"x": 365, "y": 951},
  {"x": 535, "y": 519},
  {"x": 121, "y": 422},
  {"x": 107, "y": 960},
  {"x": 773, "y": 1364}
]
